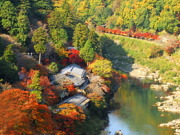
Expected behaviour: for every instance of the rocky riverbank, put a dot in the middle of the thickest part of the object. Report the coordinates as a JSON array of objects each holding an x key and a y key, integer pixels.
[
  {"x": 170, "y": 103},
  {"x": 175, "y": 124}
]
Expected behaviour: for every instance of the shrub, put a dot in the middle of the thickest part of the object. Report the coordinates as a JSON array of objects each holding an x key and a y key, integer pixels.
[
  {"x": 53, "y": 68},
  {"x": 169, "y": 50},
  {"x": 155, "y": 51}
]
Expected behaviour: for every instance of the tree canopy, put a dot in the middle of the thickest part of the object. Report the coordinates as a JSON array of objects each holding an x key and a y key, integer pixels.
[
  {"x": 102, "y": 67},
  {"x": 22, "y": 114}
]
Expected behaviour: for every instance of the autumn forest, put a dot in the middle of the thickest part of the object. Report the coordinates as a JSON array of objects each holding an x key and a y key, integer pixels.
[{"x": 38, "y": 38}]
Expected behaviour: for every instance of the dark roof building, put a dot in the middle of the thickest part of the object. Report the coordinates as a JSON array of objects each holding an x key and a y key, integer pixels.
[{"x": 78, "y": 100}]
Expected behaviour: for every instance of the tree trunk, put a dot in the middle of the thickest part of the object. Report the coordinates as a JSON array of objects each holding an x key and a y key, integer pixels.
[{"x": 39, "y": 58}]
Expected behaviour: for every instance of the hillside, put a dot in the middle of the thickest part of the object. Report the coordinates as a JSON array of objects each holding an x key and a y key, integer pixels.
[{"x": 125, "y": 51}]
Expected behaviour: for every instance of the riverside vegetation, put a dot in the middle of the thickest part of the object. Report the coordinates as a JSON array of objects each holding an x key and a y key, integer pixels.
[
  {"x": 35, "y": 37},
  {"x": 161, "y": 71}
]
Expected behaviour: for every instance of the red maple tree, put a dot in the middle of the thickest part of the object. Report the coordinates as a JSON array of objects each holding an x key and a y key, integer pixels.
[{"x": 22, "y": 114}]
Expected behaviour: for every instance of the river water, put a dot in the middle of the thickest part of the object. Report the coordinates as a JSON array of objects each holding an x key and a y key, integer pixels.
[{"x": 136, "y": 114}]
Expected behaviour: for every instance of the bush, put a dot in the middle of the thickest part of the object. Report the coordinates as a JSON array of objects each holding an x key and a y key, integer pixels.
[
  {"x": 155, "y": 51},
  {"x": 169, "y": 50},
  {"x": 53, "y": 68}
]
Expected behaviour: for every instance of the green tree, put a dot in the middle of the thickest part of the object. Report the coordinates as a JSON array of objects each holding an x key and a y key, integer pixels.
[
  {"x": 53, "y": 68},
  {"x": 8, "y": 71},
  {"x": 80, "y": 35},
  {"x": 168, "y": 21},
  {"x": 9, "y": 54},
  {"x": 8, "y": 16},
  {"x": 1, "y": 47},
  {"x": 23, "y": 26},
  {"x": 35, "y": 86},
  {"x": 87, "y": 52},
  {"x": 94, "y": 39},
  {"x": 39, "y": 39},
  {"x": 41, "y": 7},
  {"x": 55, "y": 20},
  {"x": 58, "y": 35},
  {"x": 102, "y": 67}
]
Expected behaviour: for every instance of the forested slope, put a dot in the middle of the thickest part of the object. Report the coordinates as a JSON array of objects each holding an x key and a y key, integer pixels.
[{"x": 155, "y": 15}]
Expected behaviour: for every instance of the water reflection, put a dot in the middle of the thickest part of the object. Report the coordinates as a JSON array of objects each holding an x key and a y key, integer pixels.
[{"x": 137, "y": 115}]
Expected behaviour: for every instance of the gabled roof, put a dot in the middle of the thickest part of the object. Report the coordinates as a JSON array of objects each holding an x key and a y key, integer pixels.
[
  {"x": 74, "y": 70},
  {"x": 77, "y": 99},
  {"x": 74, "y": 73}
]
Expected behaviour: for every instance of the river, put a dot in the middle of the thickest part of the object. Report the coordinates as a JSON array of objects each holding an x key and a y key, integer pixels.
[{"x": 136, "y": 114}]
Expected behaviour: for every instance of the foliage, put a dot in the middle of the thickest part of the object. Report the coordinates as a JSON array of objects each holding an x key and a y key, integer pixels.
[
  {"x": 23, "y": 25},
  {"x": 71, "y": 89},
  {"x": 50, "y": 95},
  {"x": 22, "y": 114},
  {"x": 42, "y": 69},
  {"x": 41, "y": 8},
  {"x": 137, "y": 50},
  {"x": 39, "y": 39},
  {"x": 8, "y": 71},
  {"x": 74, "y": 57},
  {"x": 155, "y": 51},
  {"x": 59, "y": 35},
  {"x": 38, "y": 95},
  {"x": 69, "y": 117},
  {"x": 53, "y": 68},
  {"x": 94, "y": 39},
  {"x": 9, "y": 54},
  {"x": 8, "y": 15},
  {"x": 87, "y": 52},
  {"x": 97, "y": 105},
  {"x": 5, "y": 86},
  {"x": 54, "y": 21},
  {"x": 169, "y": 50},
  {"x": 102, "y": 67},
  {"x": 80, "y": 35},
  {"x": 35, "y": 85}
]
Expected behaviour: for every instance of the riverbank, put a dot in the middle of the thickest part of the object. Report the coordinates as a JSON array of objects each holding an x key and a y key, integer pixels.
[{"x": 131, "y": 56}]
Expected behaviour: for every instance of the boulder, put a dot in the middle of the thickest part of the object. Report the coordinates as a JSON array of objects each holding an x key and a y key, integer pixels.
[{"x": 119, "y": 132}]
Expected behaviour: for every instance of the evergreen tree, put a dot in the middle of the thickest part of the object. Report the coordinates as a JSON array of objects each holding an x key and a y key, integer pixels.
[
  {"x": 94, "y": 39},
  {"x": 39, "y": 39},
  {"x": 9, "y": 54},
  {"x": 23, "y": 26},
  {"x": 41, "y": 7},
  {"x": 8, "y": 71},
  {"x": 1, "y": 47},
  {"x": 8, "y": 16},
  {"x": 80, "y": 35},
  {"x": 55, "y": 20},
  {"x": 58, "y": 35},
  {"x": 87, "y": 52}
]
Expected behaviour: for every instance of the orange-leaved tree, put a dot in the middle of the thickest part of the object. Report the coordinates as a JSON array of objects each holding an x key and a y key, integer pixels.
[
  {"x": 50, "y": 95},
  {"x": 69, "y": 117},
  {"x": 22, "y": 114}
]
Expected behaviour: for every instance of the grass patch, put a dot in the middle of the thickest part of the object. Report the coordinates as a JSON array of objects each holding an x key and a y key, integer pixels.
[{"x": 140, "y": 50}]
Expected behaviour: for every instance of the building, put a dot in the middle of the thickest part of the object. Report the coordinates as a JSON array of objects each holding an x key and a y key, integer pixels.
[
  {"x": 75, "y": 74},
  {"x": 78, "y": 100}
]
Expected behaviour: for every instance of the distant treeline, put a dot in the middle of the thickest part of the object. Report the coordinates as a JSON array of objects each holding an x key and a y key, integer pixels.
[{"x": 144, "y": 15}]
